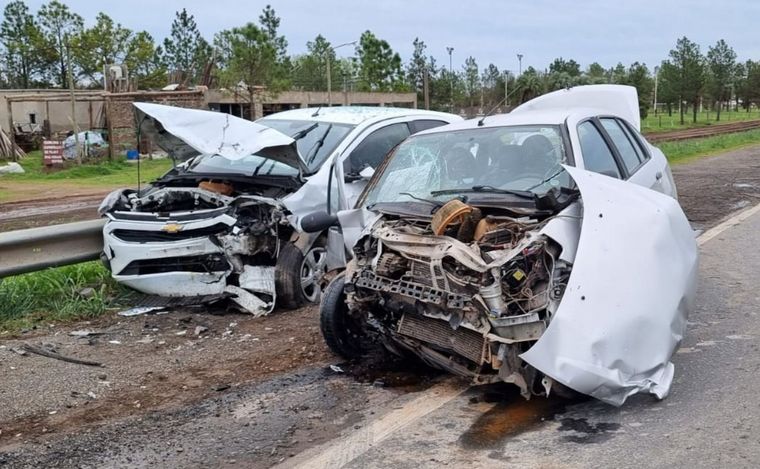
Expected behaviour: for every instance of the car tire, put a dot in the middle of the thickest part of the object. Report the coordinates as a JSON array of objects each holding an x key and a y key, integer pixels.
[
  {"x": 335, "y": 322},
  {"x": 293, "y": 267}
]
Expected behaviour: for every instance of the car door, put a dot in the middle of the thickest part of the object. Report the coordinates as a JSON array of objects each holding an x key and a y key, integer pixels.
[
  {"x": 639, "y": 165},
  {"x": 611, "y": 147},
  {"x": 596, "y": 150},
  {"x": 368, "y": 151}
]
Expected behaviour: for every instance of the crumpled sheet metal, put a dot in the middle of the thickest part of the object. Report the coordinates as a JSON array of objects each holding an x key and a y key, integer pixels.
[
  {"x": 633, "y": 283},
  {"x": 209, "y": 132}
]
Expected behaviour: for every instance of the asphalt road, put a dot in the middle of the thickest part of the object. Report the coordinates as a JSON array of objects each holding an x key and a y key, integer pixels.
[{"x": 711, "y": 418}]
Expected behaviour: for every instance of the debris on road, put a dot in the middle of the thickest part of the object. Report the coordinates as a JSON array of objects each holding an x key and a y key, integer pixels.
[
  {"x": 138, "y": 310},
  {"x": 336, "y": 369},
  {"x": 85, "y": 333},
  {"x": 57, "y": 356}
]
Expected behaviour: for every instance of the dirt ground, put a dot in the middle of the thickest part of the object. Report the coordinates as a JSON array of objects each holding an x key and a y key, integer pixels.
[
  {"x": 195, "y": 389},
  {"x": 711, "y": 188},
  {"x": 32, "y": 204}
]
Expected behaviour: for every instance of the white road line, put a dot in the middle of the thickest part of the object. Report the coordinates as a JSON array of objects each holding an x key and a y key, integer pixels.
[
  {"x": 337, "y": 453},
  {"x": 729, "y": 223}
]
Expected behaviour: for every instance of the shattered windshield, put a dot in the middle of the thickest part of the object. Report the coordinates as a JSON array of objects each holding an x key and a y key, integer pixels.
[
  {"x": 518, "y": 160},
  {"x": 317, "y": 139}
]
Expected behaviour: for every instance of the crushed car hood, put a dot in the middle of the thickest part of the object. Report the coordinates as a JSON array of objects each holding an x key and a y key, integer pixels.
[
  {"x": 633, "y": 282},
  {"x": 185, "y": 133}
]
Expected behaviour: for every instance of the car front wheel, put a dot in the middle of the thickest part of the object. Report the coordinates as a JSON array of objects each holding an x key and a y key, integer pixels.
[
  {"x": 341, "y": 332},
  {"x": 299, "y": 277}
]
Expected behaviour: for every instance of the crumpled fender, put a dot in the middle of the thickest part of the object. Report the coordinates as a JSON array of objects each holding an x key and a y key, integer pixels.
[{"x": 624, "y": 310}]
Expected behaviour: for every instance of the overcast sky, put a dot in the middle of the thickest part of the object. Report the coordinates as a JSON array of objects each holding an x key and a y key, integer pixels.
[{"x": 607, "y": 31}]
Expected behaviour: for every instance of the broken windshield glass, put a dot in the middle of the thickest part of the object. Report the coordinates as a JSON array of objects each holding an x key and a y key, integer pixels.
[
  {"x": 308, "y": 144},
  {"x": 508, "y": 160}
]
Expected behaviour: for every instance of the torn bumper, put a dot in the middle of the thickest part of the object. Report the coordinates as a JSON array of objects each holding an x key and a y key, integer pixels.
[{"x": 147, "y": 266}]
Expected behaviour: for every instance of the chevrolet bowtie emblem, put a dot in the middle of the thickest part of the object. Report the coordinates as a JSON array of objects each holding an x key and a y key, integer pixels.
[{"x": 171, "y": 228}]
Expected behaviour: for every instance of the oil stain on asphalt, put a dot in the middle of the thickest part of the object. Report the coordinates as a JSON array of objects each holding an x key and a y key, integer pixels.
[{"x": 512, "y": 415}]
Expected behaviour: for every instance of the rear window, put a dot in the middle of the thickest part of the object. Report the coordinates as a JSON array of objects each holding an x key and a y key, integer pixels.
[
  {"x": 623, "y": 143},
  {"x": 597, "y": 156},
  {"x": 420, "y": 125}
]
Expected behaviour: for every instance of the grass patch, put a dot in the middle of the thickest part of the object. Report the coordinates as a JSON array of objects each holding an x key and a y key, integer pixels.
[
  {"x": 662, "y": 122},
  {"x": 685, "y": 150},
  {"x": 54, "y": 295},
  {"x": 105, "y": 174}
]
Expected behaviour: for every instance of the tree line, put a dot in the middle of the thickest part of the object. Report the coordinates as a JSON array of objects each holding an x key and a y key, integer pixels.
[{"x": 38, "y": 49}]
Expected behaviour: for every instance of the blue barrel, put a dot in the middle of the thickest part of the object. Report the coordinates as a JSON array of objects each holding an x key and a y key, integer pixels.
[{"x": 132, "y": 154}]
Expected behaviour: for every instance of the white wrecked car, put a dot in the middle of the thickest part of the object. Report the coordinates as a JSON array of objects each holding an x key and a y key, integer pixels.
[
  {"x": 528, "y": 248},
  {"x": 223, "y": 222}
]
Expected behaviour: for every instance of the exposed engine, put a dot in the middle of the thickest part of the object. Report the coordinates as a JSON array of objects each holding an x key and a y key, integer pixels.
[
  {"x": 228, "y": 238},
  {"x": 467, "y": 291}
]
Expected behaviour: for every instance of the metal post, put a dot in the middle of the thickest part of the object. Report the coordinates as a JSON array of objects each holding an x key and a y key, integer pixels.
[
  {"x": 426, "y": 87},
  {"x": 451, "y": 77},
  {"x": 329, "y": 81},
  {"x": 656, "y": 77},
  {"x": 109, "y": 127},
  {"x": 506, "y": 88},
  {"x": 329, "y": 76},
  {"x": 519, "y": 61}
]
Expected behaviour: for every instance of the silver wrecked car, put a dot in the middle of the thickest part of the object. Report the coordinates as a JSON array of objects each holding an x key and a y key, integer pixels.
[
  {"x": 224, "y": 221},
  {"x": 511, "y": 249}
]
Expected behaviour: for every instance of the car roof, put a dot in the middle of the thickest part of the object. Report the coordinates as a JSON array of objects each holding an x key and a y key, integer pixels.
[
  {"x": 354, "y": 115},
  {"x": 542, "y": 117}
]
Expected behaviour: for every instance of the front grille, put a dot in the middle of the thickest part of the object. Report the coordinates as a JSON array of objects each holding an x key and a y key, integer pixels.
[
  {"x": 140, "y": 236},
  {"x": 464, "y": 342},
  {"x": 204, "y": 264},
  {"x": 406, "y": 287}
]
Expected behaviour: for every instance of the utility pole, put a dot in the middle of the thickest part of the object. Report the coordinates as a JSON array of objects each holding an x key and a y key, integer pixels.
[
  {"x": 451, "y": 77},
  {"x": 656, "y": 76},
  {"x": 77, "y": 151},
  {"x": 329, "y": 80},
  {"x": 329, "y": 77},
  {"x": 426, "y": 87},
  {"x": 519, "y": 61},
  {"x": 506, "y": 89}
]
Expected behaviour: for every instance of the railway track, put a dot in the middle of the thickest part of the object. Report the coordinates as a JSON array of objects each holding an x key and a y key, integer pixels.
[{"x": 701, "y": 132}]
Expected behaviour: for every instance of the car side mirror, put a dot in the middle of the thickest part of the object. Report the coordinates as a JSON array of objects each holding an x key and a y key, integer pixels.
[
  {"x": 367, "y": 173},
  {"x": 316, "y": 222}
]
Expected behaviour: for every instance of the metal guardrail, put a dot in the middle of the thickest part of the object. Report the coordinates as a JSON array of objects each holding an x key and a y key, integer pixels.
[{"x": 34, "y": 249}]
